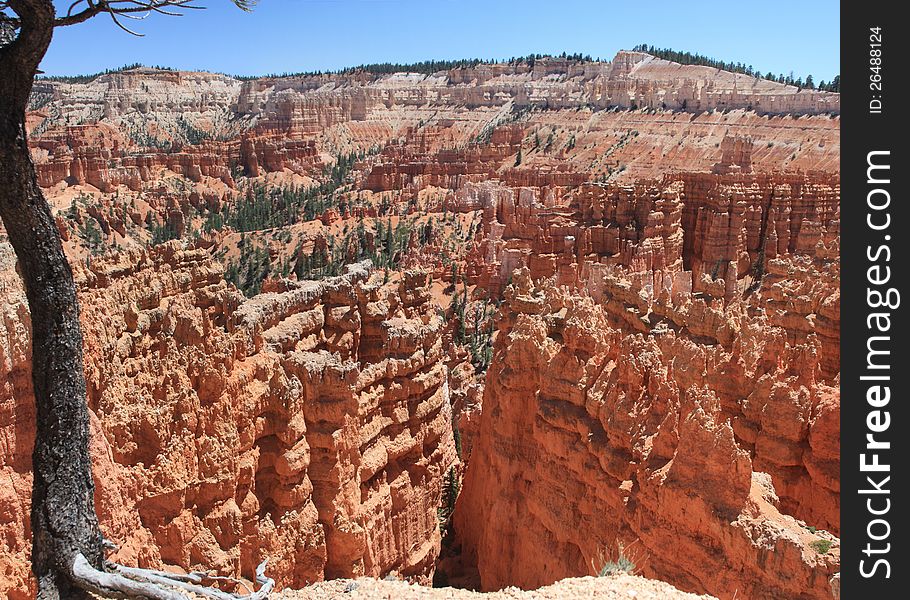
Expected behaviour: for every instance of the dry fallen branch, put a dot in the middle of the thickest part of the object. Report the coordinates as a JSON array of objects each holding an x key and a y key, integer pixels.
[{"x": 117, "y": 581}]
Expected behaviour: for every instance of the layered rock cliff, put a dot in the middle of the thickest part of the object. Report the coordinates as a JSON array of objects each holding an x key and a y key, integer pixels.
[
  {"x": 665, "y": 377},
  {"x": 207, "y": 124},
  {"x": 656, "y": 243},
  {"x": 310, "y": 424},
  {"x": 591, "y": 438}
]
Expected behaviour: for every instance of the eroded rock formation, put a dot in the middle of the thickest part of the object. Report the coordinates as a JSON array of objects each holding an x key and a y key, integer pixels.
[
  {"x": 665, "y": 377},
  {"x": 310, "y": 424},
  {"x": 206, "y": 124},
  {"x": 591, "y": 437},
  {"x": 664, "y": 241}
]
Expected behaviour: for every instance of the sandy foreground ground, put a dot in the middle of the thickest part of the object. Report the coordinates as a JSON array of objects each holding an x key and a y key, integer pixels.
[{"x": 622, "y": 587}]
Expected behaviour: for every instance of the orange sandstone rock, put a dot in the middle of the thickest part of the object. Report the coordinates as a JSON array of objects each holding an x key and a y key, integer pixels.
[
  {"x": 590, "y": 437},
  {"x": 310, "y": 425}
]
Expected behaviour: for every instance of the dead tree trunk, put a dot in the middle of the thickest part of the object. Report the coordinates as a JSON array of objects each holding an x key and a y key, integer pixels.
[
  {"x": 67, "y": 545},
  {"x": 63, "y": 518}
]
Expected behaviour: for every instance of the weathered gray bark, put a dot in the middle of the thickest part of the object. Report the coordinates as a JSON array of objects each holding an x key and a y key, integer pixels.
[
  {"x": 67, "y": 545},
  {"x": 63, "y": 518}
]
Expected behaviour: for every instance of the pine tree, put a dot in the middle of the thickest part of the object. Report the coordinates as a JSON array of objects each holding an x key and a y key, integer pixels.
[{"x": 456, "y": 434}]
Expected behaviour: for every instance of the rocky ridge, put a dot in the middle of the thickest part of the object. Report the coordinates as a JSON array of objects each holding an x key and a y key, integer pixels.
[
  {"x": 657, "y": 245},
  {"x": 310, "y": 424},
  {"x": 591, "y": 437},
  {"x": 263, "y": 124},
  {"x": 669, "y": 350}
]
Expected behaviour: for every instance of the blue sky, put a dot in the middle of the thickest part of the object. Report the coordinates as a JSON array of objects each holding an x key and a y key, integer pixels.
[{"x": 304, "y": 35}]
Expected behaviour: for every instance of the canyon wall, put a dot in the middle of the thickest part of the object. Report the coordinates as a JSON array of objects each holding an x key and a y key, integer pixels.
[
  {"x": 310, "y": 425},
  {"x": 208, "y": 124},
  {"x": 665, "y": 377},
  {"x": 591, "y": 438},
  {"x": 656, "y": 243}
]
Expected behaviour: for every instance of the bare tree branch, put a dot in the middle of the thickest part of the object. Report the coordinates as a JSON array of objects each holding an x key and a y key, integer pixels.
[
  {"x": 129, "y": 582},
  {"x": 120, "y": 7},
  {"x": 110, "y": 585},
  {"x": 122, "y": 26},
  {"x": 124, "y": 7}
]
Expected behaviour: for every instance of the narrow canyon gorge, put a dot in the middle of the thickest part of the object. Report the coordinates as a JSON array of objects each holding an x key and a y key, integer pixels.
[{"x": 496, "y": 325}]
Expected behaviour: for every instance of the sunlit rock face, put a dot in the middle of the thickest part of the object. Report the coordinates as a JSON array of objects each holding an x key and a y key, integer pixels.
[
  {"x": 657, "y": 249},
  {"x": 648, "y": 390},
  {"x": 310, "y": 425}
]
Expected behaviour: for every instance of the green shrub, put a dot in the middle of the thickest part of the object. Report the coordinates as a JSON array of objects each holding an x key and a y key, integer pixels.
[{"x": 623, "y": 564}]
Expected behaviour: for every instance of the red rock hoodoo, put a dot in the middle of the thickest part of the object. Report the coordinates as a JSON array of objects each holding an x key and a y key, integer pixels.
[
  {"x": 646, "y": 386},
  {"x": 601, "y": 299},
  {"x": 309, "y": 424}
]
